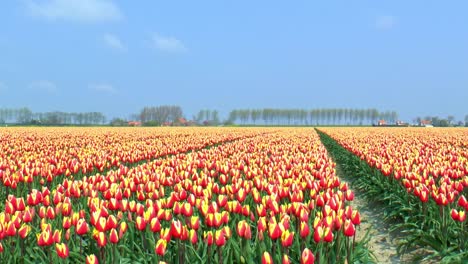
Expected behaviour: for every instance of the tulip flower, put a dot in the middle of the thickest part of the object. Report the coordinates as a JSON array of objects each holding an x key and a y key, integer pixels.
[
  {"x": 82, "y": 227},
  {"x": 24, "y": 230},
  {"x": 176, "y": 228},
  {"x": 266, "y": 258},
  {"x": 160, "y": 248},
  {"x": 28, "y": 215},
  {"x": 45, "y": 238},
  {"x": 349, "y": 229},
  {"x": 140, "y": 223},
  {"x": 287, "y": 238},
  {"x": 463, "y": 202},
  {"x": 62, "y": 250},
  {"x": 195, "y": 222},
  {"x": 122, "y": 229},
  {"x": 274, "y": 231},
  {"x": 304, "y": 230},
  {"x": 458, "y": 215},
  {"x": 92, "y": 259},
  {"x": 10, "y": 229},
  {"x": 111, "y": 222},
  {"x": 193, "y": 236},
  {"x": 208, "y": 236},
  {"x": 113, "y": 236},
  {"x": 57, "y": 236},
  {"x": 220, "y": 238},
  {"x": 355, "y": 217},
  {"x": 101, "y": 239},
  {"x": 307, "y": 257}
]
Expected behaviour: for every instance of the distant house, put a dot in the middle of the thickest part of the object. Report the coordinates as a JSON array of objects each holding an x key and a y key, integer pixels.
[
  {"x": 382, "y": 123},
  {"x": 182, "y": 121},
  {"x": 425, "y": 123},
  {"x": 134, "y": 123},
  {"x": 401, "y": 123}
]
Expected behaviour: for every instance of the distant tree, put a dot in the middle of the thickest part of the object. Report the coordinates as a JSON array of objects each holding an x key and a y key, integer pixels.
[
  {"x": 233, "y": 116},
  {"x": 466, "y": 120},
  {"x": 24, "y": 115},
  {"x": 450, "y": 119},
  {"x": 161, "y": 114},
  {"x": 244, "y": 115},
  {"x": 254, "y": 115},
  {"x": 215, "y": 117},
  {"x": 118, "y": 122}
]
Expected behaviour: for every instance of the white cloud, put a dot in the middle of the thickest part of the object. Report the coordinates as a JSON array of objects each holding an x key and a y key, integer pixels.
[
  {"x": 114, "y": 42},
  {"x": 43, "y": 86},
  {"x": 74, "y": 10},
  {"x": 104, "y": 88},
  {"x": 168, "y": 43},
  {"x": 385, "y": 22}
]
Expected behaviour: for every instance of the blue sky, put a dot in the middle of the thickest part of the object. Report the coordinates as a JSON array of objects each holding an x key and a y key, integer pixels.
[{"x": 118, "y": 56}]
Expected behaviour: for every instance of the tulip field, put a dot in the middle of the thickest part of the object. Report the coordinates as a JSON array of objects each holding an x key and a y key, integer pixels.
[
  {"x": 420, "y": 175},
  {"x": 172, "y": 195},
  {"x": 226, "y": 195}
]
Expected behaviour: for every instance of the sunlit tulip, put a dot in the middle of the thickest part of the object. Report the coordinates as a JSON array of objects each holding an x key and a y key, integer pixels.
[
  {"x": 57, "y": 236},
  {"x": 155, "y": 225},
  {"x": 23, "y": 231},
  {"x": 349, "y": 229},
  {"x": 208, "y": 236},
  {"x": 356, "y": 217},
  {"x": 160, "y": 248},
  {"x": 122, "y": 229},
  {"x": 28, "y": 215},
  {"x": 176, "y": 228},
  {"x": 304, "y": 230},
  {"x": 92, "y": 259},
  {"x": 462, "y": 202},
  {"x": 274, "y": 231},
  {"x": 62, "y": 250},
  {"x": 140, "y": 223},
  {"x": 287, "y": 238},
  {"x": 101, "y": 239},
  {"x": 266, "y": 258},
  {"x": 193, "y": 236},
  {"x": 113, "y": 236},
  {"x": 45, "y": 238},
  {"x": 82, "y": 227},
  {"x": 111, "y": 222},
  {"x": 307, "y": 257},
  {"x": 195, "y": 222},
  {"x": 220, "y": 238}
]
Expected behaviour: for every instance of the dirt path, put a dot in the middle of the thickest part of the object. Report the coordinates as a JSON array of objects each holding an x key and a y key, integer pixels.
[{"x": 382, "y": 243}]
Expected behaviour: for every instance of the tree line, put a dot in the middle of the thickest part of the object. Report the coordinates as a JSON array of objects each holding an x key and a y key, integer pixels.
[
  {"x": 322, "y": 116},
  {"x": 207, "y": 117},
  {"x": 158, "y": 115},
  {"x": 171, "y": 114},
  {"x": 27, "y": 117}
]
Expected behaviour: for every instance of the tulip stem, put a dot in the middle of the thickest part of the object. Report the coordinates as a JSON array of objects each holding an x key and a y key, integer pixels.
[
  {"x": 338, "y": 249},
  {"x": 50, "y": 254},
  {"x": 209, "y": 254},
  {"x": 220, "y": 254}
]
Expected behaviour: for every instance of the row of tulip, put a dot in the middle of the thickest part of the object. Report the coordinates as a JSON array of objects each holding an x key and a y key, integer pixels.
[
  {"x": 431, "y": 166},
  {"x": 268, "y": 198},
  {"x": 40, "y": 155}
]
